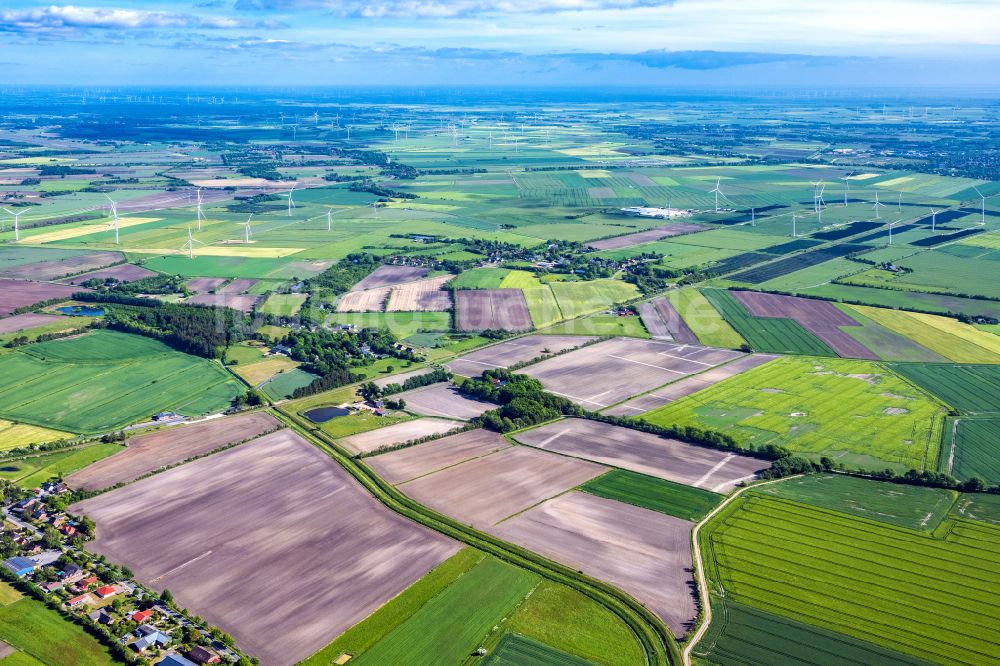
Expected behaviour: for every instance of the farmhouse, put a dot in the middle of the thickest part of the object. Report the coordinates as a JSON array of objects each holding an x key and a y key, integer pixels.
[
  {"x": 77, "y": 601},
  {"x": 202, "y": 655},
  {"x": 106, "y": 591},
  {"x": 141, "y": 617},
  {"x": 149, "y": 636}
]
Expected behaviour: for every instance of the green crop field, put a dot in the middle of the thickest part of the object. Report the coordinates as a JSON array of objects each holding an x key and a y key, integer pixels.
[
  {"x": 601, "y": 325},
  {"x": 951, "y": 339},
  {"x": 31, "y": 471},
  {"x": 542, "y": 305},
  {"x": 452, "y": 625},
  {"x": 978, "y": 506},
  {"x": 971, "y": 389},
  {"x": 766, "y": 334},
  {"x": 649, "y": 492},
  {"x": 514, "y": 650},
  {"x": 977, "y": 450},
  {"x": 703, "y": 319},
  {"x": 42, "y": 633},
  {"x": 578, "y": 298},
  {"x": 283, "y": 384},
  {"x": 930, "y": 596},
  {"x": 913, "y": 507},
  {"x": 105, "y": 379},
  {"x": 283, "y": 305},
  {"x": 741, "y": 635},
  {"x": 481, "y": 278},
  {"x": 856, "y": 412},
  {"x": 903, "y": 299},
  {"x": 886, "y": 344}
]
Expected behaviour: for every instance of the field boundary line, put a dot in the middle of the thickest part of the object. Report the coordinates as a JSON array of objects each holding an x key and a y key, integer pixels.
[{"x": 700, "y": 567}]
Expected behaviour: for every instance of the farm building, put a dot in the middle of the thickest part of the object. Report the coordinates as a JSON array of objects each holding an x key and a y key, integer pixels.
[
  {"x": 202, "y": 655},
  {"x": 20, "y": 566},
  {"x": 175, "y": 660},
  {"x": 106, "y": 591}
]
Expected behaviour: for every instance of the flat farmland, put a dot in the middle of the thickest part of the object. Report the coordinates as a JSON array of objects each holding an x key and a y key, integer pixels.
[
  {"x": 485, "y": 490},
  {"x": 257, "y": 373},
  {"x": 427, "y": 295},
  {"x": 243, "y": 302},
  {"x": 703, "y": 319},
  {"x": 766, "y": 334},
  {"x": 400, "y": 433},
  {"x": 660, "y": 316},
  {"x": 977, "y": 450},
  {"x": 645, "y": 453},
  {"x": 445, "y": 401},
  {"x": 650, "y": 492},
  {"x": 368, "y": 300},
  {"x": 29, "y": 320},
  {"x": 70, "y": 265},
  {"x": 282, "y": 305},
  {"x": 691, "y": 384},
  {"x": 105, "y": 379},
  {"x": 14, "y": 435},
  {"x": 491, "y": 309},
  {"x": 150, "y": 452},
  {"x": 876, "y": 418},
  {"x": 608, "y": 372},
  {"x": 578, "y": 298},
  {"x": 276, "y": 512},
  {"x": 121, "y": 272},
  {"x": 16, "y": 294},
  {"x": 948, "y": 337},
  {"x": 203, "y": 285},
  {"x": 971, "y": 389},
  {"x": 415, "y": 461},
  {"x": 647, "y": 554},
  {"x": 655, "y": 234},
  {"x": 929, "y": 596},
  {"x": 401, "y": 377},
  {"x": 514, "y": 351},
  {"x": 386, "y": 276}
]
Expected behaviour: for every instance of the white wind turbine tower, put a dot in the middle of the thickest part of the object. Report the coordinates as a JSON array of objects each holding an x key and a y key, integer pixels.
[
  {"x": 246, "y": 229},
  {"x": 847, "y": 186},
  {"x": 899, "y": 203},
  {"x": 717, "y": 191},
  {"x": 753, "y": 217},
  {"x": 983, "y": 199},
  {"x": 199, "y": 210},
  {"x": 114, "y": 212},
  {"x": 375, "y": 208},
  {"x": 818, "y": 201},
  {"x": 16, "y": 216},
  {"x": 878, "y": 204},
  {"x": 933, "y": 221},
  {"x": 891, "y": 225},
  {"x": 291, "y": 201},
  {"x": 794, "y": 220},
  {"x": 189, "y": 246}
]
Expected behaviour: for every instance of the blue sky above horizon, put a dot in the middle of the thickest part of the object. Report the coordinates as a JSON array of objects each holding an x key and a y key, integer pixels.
[{"x": 857, "y": 43}]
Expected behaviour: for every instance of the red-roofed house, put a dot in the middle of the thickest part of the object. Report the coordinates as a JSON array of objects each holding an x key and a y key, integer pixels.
[
  {"x": 142, "y": 616},
  {"x": 106, "y": 591},
  {"x": 76, "y": 601}
]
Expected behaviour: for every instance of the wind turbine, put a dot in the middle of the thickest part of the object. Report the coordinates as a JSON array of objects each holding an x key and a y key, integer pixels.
[
  {"x": 189, "y": 246},
  {"x": 329, "y": 220},
  {"x": 847, "y": 186},
  {"x": 933, "y": 221},
  {"x": 878, "y": 204},
  {"x": 818, "y": 201},
  {"x": 753, "y": 217},
  {"x": 375, "y": 208},
  {"x": 899, "y": 203},
  {"x": 114, "y": 211},
  {"x": 16, "y": 216},
  {"x": 983, "y": 198},
  {"x": 291, "y": 202},
  {"x": 717, "y": 191},
  {"x": 199, "y": 210},
  {"x": 794, "y": 220},
  {"x": 246, "y": 230},
  {"x": 891, "y": 225}
]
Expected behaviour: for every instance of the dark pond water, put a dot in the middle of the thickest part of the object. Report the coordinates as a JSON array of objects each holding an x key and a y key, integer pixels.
[
  {"x": 324, "y": 414},
  {"x": 81, "y": 311}
]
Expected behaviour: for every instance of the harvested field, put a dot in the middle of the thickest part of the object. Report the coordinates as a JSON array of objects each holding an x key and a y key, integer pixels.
[
  {"x": 484, "y": 491},
  {"x": 382, "y": 382},
  {"x": 601, "y": 193},
  {"x": 149, "y": 452},
  {"x": 28, "y": 320},
  {"x": 511, "y": 352},
  {"x": 821, "y": 318},
  {"x": 51, "y": 270},
  {"x": 660, "y": 316},
  {"x": 203, "y": 285},
  {"x": 421, "y": 296},
  {"x": 655, "y": 234},
  {"x": 608, "y": 372},
  {"x": 491, "y": 309},
  {"x": 256, "y": 539},
  {"x": 238, "y": 286},
  {"x": 121, "y": 272},
  {"x": 688, "y": 385},
  {"x": 407, "y": 464},
  {"x": 443, "y": 400},
  {"x": 257, "y": 373},
  {"x": 366, "y": 442},
  {"x": 242, "y": 302},
  {"x": 645, "y": 453},
  {"x": 369, "y": 300},
  {"x": 387, "y": 276},
  {"x": 16, "y": 294},
  {"x": 647, "y": 554}
]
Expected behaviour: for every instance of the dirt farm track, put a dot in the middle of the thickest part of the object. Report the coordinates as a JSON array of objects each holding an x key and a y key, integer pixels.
[{"x": 271, "y": 541}]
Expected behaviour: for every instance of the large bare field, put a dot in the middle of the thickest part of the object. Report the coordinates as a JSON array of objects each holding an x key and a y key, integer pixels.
[
  {"x": 657, "y": 233},
  {"x": 425, "y": 295},
  {"x": 400, "y": 433},
  {"x": 28, "y": 320},
  {"x": 511, "y": 352},
  {"x": 121, "y": 272},
  {"x": 608, "y": 372},
  {"x": 51, "y": 270},
  {"x": 688, "y": 385},
  {"x": 369, "y": 300},
  {"x": 445, "y": 401},
  {"x": 646, "y": 453},
  {"x": 386, "y": 276},
  {"x": 237, "y": 286},
  {"x": 410, "y": 463},
  {"x": 271, "y": 541},
  {"x": 382, "y": 382},
  {"x": 664, "y": 323},
  {"x": 243, "y": 302},
  {"x": 149, "y": 452},
  {"x": 645, "y": 553},
  {"x": 203, "y": 285},
  {"x": 491, "y": 309},
  {"x": 483, "y": 491},
  {"x": 16, "y": 294}
]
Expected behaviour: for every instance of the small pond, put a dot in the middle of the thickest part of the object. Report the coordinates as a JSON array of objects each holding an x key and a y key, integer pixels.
[
  {"x": 81, "y": 311},
  {"x": 324, "y": 414}
]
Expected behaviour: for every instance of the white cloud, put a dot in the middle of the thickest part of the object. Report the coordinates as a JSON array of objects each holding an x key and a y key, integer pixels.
[
  {"x": 445, "y": 8},
  {"x": 56, "y": 19}
]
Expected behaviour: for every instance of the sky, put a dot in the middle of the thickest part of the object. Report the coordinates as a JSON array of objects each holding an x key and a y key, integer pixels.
[{"x": 575, "y": 43}]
